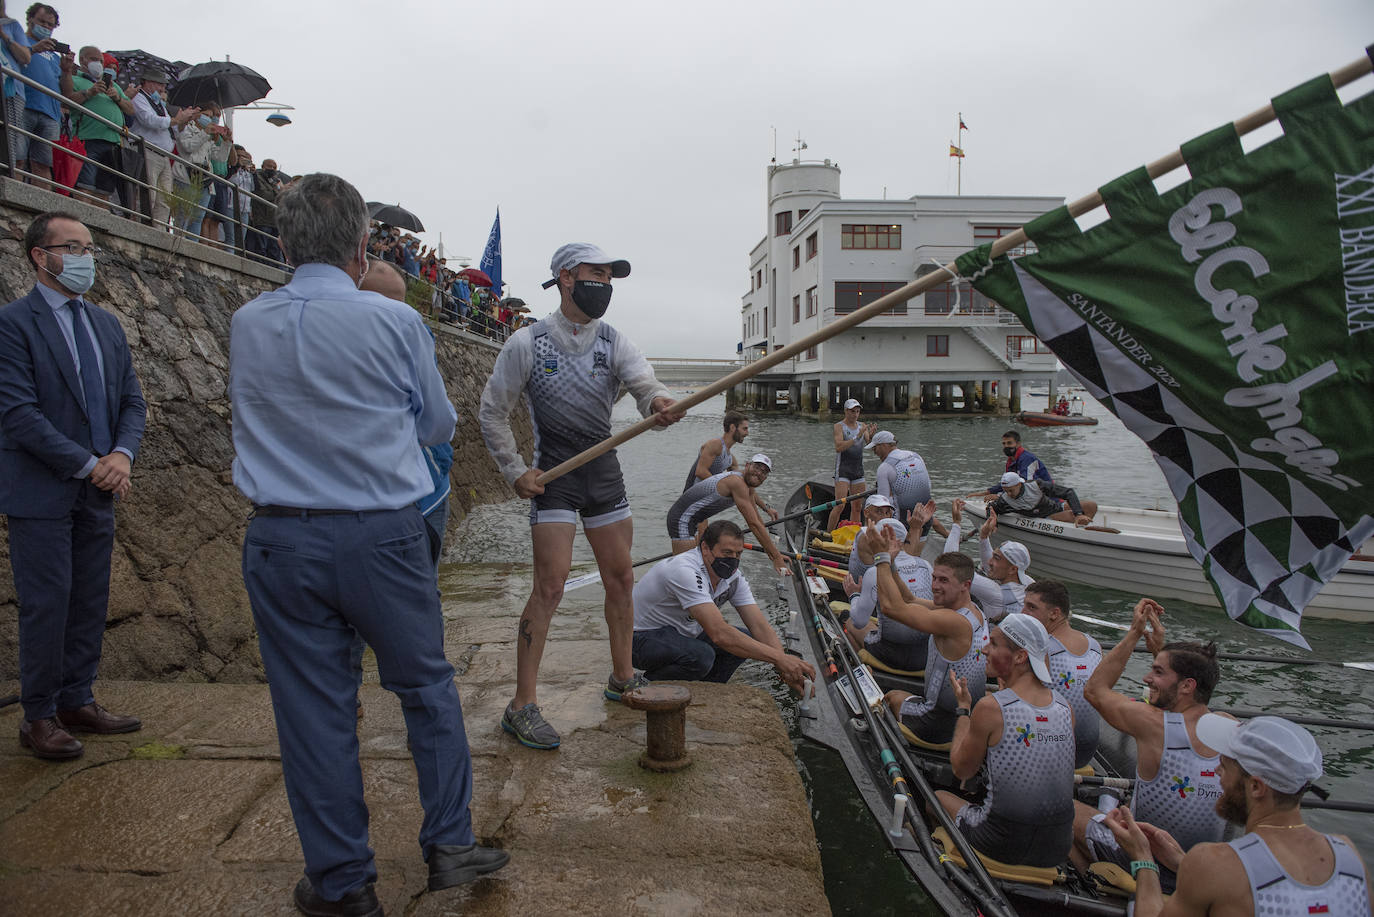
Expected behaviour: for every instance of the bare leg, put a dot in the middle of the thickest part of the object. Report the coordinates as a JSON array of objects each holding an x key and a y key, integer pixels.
[
  {"x": 1082, "y": 816},
  {"x": 894, "y": 701},
  {"x": 683, "y": 544},
  {"x": 857, "y": 635},
  {"x": 553, "y": 543},
  {"x": 951, "y": 803},
  {"x": 611, "y": 545},
  {"x": 857, "y": 507},
  {"x": 841, "y": 491}
]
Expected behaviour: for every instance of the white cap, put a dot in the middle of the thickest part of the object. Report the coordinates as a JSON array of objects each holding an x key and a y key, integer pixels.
[
  {"x": 1279, "y": 752},
  {"x": 1016, "y": 554},
  {"x": 878, "y": 500},
  {"x": 574, "y": 253},
  {"x": 895, "y": 525},
  {"x": 851, "y": 403},
  {"x": 761, "y": 459},
  {"x": 1029, "y": 634},
  {"x": 882, "y": 436},
  {"x": 1011, "y": 479}
]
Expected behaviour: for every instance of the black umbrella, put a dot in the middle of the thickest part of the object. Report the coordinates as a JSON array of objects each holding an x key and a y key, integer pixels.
[
  {"x": 133, "y": 63},
  {"x": 220, "y": 81},
  {"x": 394, "y": 215}
]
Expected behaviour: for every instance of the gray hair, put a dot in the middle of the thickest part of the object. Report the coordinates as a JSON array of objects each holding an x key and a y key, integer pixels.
[{"x": 322, "y": 220}]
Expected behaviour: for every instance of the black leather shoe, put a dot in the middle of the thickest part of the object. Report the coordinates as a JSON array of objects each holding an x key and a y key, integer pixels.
[
  {"x": 47, "y": 739},
  {"x": 451, "y": 864},
  {"x": 361, "y": 902}
]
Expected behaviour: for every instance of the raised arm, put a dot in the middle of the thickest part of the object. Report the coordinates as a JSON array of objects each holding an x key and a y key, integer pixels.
[
  {"x": 972, "y": 733},
  {"x": 1120, "y": 711}
]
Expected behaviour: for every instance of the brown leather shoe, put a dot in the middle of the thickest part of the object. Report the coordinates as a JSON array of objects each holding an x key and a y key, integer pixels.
[
  {"x": 48, "y": 739},
  {"x": 95, "y": 718}
]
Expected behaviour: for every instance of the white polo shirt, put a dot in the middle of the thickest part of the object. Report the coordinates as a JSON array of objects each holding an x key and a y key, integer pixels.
[{"x": 662, "y": 598}]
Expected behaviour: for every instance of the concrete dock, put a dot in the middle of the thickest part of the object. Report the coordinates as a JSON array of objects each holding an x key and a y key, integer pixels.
[{"x": 189, "y": 815}]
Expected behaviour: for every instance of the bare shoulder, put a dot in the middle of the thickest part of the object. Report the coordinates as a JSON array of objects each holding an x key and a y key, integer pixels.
[{"x": 1211, "y": 880}]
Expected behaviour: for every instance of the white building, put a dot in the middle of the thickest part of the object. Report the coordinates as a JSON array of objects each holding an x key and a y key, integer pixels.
[{"x": 823, "y": 256}]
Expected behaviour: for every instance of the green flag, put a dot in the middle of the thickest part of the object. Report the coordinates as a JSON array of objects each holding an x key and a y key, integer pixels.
[{"x": 1229, "y": 323}]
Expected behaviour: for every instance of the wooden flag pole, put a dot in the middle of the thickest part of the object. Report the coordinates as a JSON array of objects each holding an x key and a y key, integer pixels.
[{"x": 1347, "y": 74}]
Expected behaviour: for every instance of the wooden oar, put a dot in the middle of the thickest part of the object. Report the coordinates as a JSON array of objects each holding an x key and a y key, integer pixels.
[
  {"x": 821, "y": 508},
  {"x": 586, "y": 579},
  {"x": 1308, "y": 802},
  {"x": 1162, "y": 166},
  {"x": 1242, "y": 713},
  {"x": 818, "y": 561}
]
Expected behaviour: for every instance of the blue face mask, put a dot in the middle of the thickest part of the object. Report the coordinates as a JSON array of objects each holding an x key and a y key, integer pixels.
[
  {"x": 78, "y": 273},
  {"x": 205, "y": 120},
  {"x": 155, "y": 95},
  {"x": 41, "y": 32}
]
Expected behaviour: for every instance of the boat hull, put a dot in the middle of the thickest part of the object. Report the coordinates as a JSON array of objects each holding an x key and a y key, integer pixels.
[
  {"x": 1042, "y": 419},
  {"x": 1146, "y": 555}
]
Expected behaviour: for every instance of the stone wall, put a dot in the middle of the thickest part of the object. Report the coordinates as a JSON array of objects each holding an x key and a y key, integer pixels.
[{"x": 178, "y": 609}]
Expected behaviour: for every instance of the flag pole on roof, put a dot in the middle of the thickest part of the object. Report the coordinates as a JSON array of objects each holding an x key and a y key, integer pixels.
[{"x": 1227, "y": 322}]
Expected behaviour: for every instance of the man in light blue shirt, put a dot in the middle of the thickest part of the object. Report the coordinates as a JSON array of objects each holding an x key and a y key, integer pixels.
[{"x": 333, "y": 392}]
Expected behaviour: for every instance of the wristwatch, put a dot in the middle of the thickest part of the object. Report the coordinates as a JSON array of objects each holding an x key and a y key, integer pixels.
[{"x": 961, "y": 711}]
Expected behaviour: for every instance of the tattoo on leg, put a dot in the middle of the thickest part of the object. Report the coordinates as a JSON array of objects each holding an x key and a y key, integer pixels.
[{"x": 525, "y": 632}]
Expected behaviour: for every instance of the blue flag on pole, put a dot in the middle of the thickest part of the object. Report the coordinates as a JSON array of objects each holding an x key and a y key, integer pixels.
[{"x": 491, "y": 256}]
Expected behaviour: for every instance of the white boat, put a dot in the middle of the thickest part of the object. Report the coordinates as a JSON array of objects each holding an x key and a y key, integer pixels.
[{"x": 1141, "y": 551}]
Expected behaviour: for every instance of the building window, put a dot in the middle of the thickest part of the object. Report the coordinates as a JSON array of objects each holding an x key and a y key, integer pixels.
[
  {"x": 810, "y": 353},
  {"x": 801, "y": 214},
  {"x": 796, "y": 308},
  {"x": 937, "y": 345},
  {"x": 796, "y": 257},
  {"x": 782, "y": 223},
  {"x": 1019, "y": 345},
  {"x": 813, "y": 246},
  {"x": 983, "y": 234},
  {"x": 811, "y": 302},
  {"x": 765, "y": 320},
  {"x": 858, "y": 235},
  {"x": 851, "y": 295},
  {"x": 941, "y": 299},
  {"x": 758, "y": 280}
]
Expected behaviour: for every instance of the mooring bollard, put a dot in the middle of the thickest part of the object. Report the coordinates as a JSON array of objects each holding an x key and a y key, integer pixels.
[{"x": 665, "y": 707}]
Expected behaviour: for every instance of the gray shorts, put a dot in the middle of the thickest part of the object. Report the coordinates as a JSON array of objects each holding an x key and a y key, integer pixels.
[{"x": 1016, "y": 843}]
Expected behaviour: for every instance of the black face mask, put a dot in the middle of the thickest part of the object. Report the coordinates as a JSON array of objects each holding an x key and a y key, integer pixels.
[
  {"x": 1008, "y": 451},
  {"x": 592, "y": 297},
  {"x": 725, "y": 567}
]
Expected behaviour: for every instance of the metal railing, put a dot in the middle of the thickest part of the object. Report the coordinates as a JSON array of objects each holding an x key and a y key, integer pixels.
[{"x": 133, "y": 189}]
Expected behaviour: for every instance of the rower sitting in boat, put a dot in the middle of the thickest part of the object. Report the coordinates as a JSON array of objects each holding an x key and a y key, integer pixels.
[
  {"x": 1035, "y": 498},
  {"x": 680, "y": 633},
  {"x": 1176, "y": 783},
  {"x": 1022, "y": 461},
  {"x": 688, "y": 514},
  {"x": 1280, "y": 866},
  {"x": 876, "y": 509},
  {"x": 1025, "y": 734},
  {"x": 902, "y": 477},
  {"x": 1074, "y": 656},
  {"x": 958, "y": 631},
  {"x": 1003, "y": 589},
  {"x": 890, "y": 641}
]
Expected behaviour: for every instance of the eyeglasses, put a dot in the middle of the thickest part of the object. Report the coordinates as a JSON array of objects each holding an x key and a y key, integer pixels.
[{"x": 75, "y": 248}]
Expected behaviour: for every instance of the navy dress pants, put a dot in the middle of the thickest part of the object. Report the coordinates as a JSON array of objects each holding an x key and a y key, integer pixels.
[
  {"x": 315, "y": 583},
  {"x": 666, "y": 654},
  {"x": 62, "y": 578}
]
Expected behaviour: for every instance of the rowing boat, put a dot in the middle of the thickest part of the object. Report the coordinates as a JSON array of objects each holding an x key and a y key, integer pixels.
[{"x": 1142, "y": 551}]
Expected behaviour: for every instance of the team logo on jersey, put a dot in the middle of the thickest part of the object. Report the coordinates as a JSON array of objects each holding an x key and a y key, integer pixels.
[
  {"x": 1318, "y": 909},
  {"x": 1207, "y": 773},
  {"x": 551, "y": 366},
  {"x": 1183, "y": 786},
  {"x": 1066, "y": 680},
  {"x": 1024, "y": 734},
  {"x": 601, "y": 366}
]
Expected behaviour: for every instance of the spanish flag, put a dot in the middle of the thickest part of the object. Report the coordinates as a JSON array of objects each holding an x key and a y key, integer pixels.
[{"x": 956, "y": 151}]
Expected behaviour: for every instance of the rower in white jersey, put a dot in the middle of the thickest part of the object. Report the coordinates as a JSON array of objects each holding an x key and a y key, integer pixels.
[
  {"x": 1002, "y": 590},
  {"x": 888, "y": 640},
  {"x": 1073, "y": 659},
  {"x": 1024, "y": 733},
  {"x": 1176, "y": 785},
  {"x": 902, "y": 477},
  {"x": 571, "y": 368},
  {"x": 1280, "y": 866},
  {"x": 958, "y": 634},
  {"x": 876, "y": 508},
  {"x": 698, "y": 503}
]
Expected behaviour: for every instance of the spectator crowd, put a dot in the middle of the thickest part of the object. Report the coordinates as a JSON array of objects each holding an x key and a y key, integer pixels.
[{"x": 176, "y": 167}]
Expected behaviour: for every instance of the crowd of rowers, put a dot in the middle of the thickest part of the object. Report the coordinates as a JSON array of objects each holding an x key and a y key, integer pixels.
[{"x": 961, "y": 626}]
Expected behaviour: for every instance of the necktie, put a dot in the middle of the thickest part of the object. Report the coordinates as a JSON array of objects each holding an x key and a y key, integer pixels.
[{"x": 92, "y": 386}]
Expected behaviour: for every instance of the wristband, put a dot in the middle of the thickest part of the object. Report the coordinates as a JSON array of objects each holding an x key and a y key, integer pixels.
[
  {"x": 1138, "y": 865},
  {"x": 961, "y": 711},
  {"x": 882, "y": 558}
]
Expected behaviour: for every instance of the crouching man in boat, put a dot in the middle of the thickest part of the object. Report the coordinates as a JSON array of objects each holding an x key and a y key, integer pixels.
[
  {"x": 1074, "y": 656},
  {"x": 1025, "y": 734},
  {"x": 1280, "y": 866},
  {"x": 876, "y": 509},
  {"x": 1003, "y": 590},
  {"x": 1035, "y": 498},
  {"x": 1176, "y": 782},
  {"x": 688, "y": 514},
  {"x": 893, "y": 643},
  {"x": 958, "y": 634},
  {"x": 680, "y": 633}
]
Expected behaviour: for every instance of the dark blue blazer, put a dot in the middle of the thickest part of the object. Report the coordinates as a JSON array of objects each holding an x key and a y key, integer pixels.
[{"x": 45, "y": 436}]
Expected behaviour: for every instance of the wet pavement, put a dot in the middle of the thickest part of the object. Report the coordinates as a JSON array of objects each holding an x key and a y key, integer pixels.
[{"x": 189, "y": 815}]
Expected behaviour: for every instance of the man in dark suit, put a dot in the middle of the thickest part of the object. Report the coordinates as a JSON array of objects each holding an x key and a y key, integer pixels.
[{"x": 71, "y": 417}]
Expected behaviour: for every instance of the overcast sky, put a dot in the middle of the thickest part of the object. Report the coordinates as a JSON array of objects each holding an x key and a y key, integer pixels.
[{"x": 648, "y": 129}]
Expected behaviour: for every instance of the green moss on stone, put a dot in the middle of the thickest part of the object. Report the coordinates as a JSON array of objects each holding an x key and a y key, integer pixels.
[{"x": 156, "y": 751}]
